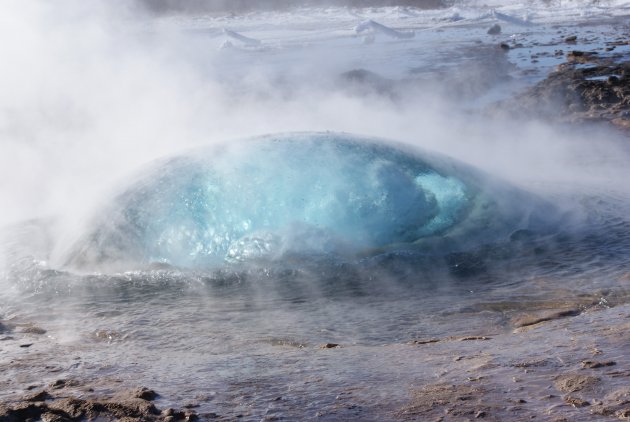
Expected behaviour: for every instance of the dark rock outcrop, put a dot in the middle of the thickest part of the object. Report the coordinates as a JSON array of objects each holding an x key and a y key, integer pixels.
[
  {"x": 585, "y": 88},
  {"x": 130, "y": 406}
]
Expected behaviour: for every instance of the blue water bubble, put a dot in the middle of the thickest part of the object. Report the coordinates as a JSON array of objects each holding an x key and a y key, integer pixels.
[{"x": 297, "y": 194}]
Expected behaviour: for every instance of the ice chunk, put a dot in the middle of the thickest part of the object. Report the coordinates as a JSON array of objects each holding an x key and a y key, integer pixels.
[
  {"x": 373, "y": 26},
  {"x": 511, "y": 19},
  {"x": 242, "y": 38}
]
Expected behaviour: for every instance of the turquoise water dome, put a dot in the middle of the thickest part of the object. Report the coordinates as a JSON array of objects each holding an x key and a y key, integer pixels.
[{"x": 292, "y": 194}]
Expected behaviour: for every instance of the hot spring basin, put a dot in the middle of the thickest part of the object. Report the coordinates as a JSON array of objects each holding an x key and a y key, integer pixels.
[{"x": 300, "y": 194}]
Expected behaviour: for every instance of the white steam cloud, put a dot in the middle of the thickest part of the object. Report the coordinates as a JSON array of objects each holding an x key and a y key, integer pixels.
[{"x": 92, "y": 91}]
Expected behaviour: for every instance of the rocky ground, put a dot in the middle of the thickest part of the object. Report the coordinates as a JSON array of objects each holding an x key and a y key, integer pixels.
[
  {"x": 588, "y": 87},
  {"x": 561, "y": 360},
  {"x": 55, "y": 404},
  {"x": 554, "y": 366}
]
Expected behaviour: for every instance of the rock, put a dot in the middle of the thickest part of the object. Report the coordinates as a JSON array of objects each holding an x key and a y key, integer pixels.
[
  {"x": 22, "y": 412},
  {"x": 548, "y": 315},
  {"x": 623, "y": 414},
  {"x": 428, "y": 341},
  {"x": 622, "y": 123},
  {"x": 275, "y": 341},
  {"x": 576, "y": 402},
  {"x": 592, "y": 364},
  {"x": 433, "y": 401},
  {"x": 474, "y": 338},
  {"x": 53, "y": 417},
  {"x": 45, "y": 407},
  {"x": 41, "y": 396},
  {"x": 613, "y": 80},
  {"x": 329, "y": 346},
  {"x": 494, "y": 29},
  {"x": 61, "y": 383},
  {"x": 577, "y": 56},
  {"x": 535, "y": 363},
  {"x": 571, "y": 39},
  {"x": 132, "y": 407},
  {"x": 31, "y": 329},
  {"x": 173, "y": 414},
  {"x": 144, "y": 394},
  {"x": 570, "y": 383},
  {"x": 574, "y": 93},
  {"x": 615, "y": 404},
  {"x": 74, "y": 408},
  {"x": 452, "y": 338},
  {"x": 107, "y": 335}
]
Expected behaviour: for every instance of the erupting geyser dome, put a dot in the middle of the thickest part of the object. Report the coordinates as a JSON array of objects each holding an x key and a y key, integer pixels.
[{"x": 299, "y": 194}]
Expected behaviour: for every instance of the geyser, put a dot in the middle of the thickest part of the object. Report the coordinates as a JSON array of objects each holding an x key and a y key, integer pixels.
[{"x": 299, "y": 194}]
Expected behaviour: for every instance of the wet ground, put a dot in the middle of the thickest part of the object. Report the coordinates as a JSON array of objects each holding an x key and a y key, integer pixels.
[{"x": 558, "y": 359}]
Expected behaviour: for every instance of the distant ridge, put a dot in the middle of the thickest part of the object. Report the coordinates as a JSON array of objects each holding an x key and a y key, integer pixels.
[{"x": 235, "y": 6}]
